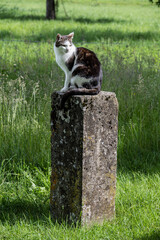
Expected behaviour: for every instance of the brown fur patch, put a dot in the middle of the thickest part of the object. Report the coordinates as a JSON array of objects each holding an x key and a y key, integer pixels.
[
  {"x": 91, "y": 64},
  {"x": 70, "y": 62}
]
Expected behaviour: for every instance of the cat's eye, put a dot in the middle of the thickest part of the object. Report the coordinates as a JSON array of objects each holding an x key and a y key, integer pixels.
[{"x": 63, "y": 45}]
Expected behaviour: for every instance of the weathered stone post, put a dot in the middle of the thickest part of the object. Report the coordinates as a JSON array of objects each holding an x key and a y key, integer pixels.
[{"x": 84, "y": 157}]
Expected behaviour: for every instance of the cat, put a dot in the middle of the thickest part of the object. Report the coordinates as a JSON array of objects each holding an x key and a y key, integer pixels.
[{"x": 83, "y": 72}]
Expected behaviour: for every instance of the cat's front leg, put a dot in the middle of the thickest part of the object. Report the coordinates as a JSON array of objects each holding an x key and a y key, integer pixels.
[
  {"x": 66, "y": 84},
  {"x": 64, "y": 89}
]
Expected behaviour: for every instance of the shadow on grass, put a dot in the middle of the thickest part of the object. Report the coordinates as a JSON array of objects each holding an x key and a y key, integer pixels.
[
  {"x": 93, "y": 21},
  {"x": 146, "y": 162},
  {"x": 23, "y": 17},
  {"x": 29, "y": 211},
  {"x": 153, "y": 236},
  {"x": 82, "y": 36},
  {"x": 15, "y": 14},
  {"x": 13, "y": 211}
]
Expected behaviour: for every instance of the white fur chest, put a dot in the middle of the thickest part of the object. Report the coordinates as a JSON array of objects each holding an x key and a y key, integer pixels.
[{"x": 62, "y": 57}]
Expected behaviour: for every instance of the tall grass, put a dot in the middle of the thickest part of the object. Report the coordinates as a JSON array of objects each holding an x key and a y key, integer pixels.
[
  {"x": 127, "y": 43},
  {"x": 135, "y": 79}
]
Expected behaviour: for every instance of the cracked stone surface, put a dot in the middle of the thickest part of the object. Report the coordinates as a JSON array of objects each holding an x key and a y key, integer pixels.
[{"x": 84, "y": 157}]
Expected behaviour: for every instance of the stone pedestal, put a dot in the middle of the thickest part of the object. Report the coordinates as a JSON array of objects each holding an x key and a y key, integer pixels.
[{"x": 84, "y": 158}]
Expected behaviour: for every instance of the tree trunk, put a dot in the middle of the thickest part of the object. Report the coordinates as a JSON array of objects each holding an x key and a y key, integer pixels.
[{"x": 50, "y": 9}]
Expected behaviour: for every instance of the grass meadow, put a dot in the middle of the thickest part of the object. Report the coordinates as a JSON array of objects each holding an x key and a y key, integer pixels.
[{"x": 126, "y": 37}]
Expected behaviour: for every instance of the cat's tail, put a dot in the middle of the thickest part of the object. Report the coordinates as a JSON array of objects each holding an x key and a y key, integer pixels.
[{"x": 78, "y": 91}]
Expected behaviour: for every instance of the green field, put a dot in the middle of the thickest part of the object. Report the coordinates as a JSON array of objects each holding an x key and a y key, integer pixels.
[{"x": 126, "y": 37}]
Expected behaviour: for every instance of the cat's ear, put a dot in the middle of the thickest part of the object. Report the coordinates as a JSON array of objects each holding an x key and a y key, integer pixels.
[
  {"x": 58, "y": 36},
  {"x": 71, "y": 35}
]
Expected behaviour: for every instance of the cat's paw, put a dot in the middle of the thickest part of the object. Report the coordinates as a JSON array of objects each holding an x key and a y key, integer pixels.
[
  {"x": 71, "y": 87},
  {"x": 64, "y": 89}
]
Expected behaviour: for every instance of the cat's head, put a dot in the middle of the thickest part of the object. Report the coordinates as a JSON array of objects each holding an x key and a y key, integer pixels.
[{"x": 64, "y": 42}]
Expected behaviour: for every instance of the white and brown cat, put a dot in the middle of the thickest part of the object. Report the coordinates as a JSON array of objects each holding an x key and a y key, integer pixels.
[{"x": 83, "y": 72}]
